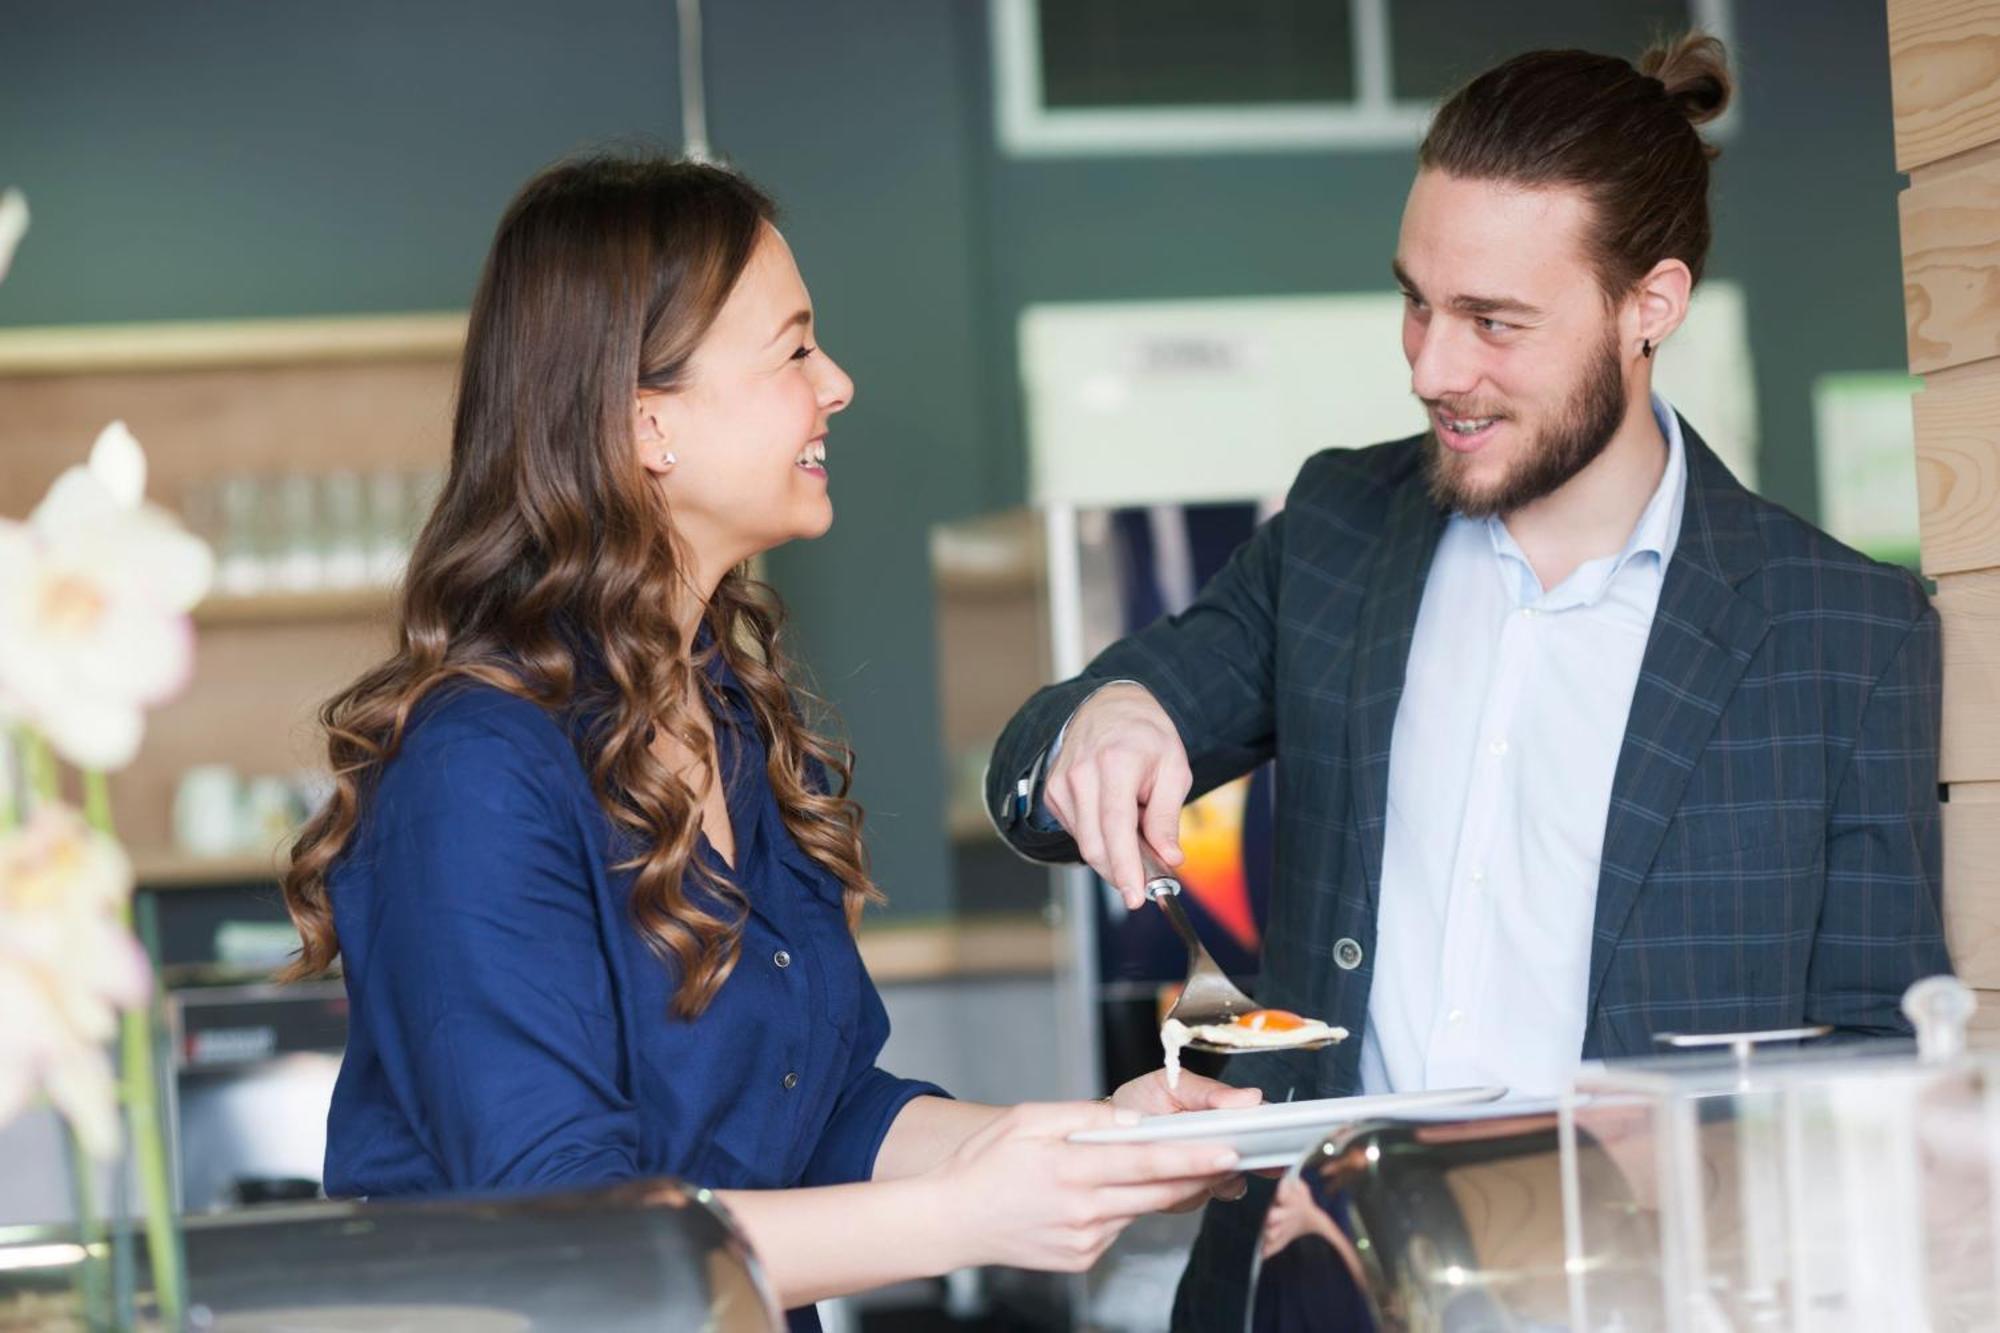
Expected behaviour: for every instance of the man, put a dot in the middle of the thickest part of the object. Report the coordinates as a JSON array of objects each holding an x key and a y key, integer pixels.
[{"x": 1577, "y": 740}]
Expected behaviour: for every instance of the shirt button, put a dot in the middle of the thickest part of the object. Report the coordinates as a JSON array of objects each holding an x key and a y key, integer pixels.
[
  {"x": 1456, "y": 1016},
  {"x": 781, "y": 958},
  {"x": 1477, "y": 877},
  {"x": 1498, "y": 747},
  {"x": 1347, "y": 953},
  {"x": 791, "y": 1081}
]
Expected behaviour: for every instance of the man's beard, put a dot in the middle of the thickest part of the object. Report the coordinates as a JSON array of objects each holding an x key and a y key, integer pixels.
[{"x": 1570, "y": 444}]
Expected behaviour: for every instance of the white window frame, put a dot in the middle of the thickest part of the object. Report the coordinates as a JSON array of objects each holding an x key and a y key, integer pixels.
[{"x": 1374, "y": 119}]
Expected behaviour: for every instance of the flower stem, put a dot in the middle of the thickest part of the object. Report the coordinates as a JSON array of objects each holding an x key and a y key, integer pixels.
[
  {"x": 38, "y": 763},
  {"x": 13, "y": 801},
  {"x": 92, "y": 1272},
  {"x": 97, "y": 802},
  {"x": 150, "y": 1157},
  {"x": 149, "y": 1152}
]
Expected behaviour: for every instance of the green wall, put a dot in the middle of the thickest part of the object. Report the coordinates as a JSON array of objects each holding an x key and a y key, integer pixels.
[{"x": 246, "y": 158}]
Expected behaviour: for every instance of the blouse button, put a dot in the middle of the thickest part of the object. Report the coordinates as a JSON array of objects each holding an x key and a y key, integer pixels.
[
  {"x": 781, "y": 958},
  {"x": 791, "y": 1081}
]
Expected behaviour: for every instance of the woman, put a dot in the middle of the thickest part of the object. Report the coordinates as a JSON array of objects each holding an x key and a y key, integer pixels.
[{"x": 592, "y": 876}]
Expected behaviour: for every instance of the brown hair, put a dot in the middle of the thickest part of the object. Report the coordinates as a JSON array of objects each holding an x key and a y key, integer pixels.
[
  {"x": 1625, "y": 136},
  {"x": 548, "y": 568}
]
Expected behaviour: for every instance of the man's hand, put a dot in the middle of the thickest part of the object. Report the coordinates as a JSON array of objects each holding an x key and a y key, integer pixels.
[{"x": 1120, "y": 779}]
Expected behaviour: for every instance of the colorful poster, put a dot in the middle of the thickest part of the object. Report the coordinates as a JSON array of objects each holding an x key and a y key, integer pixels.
[{"x": 1162, "y": 555}]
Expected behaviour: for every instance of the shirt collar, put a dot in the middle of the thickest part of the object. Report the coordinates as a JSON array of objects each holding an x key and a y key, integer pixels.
[
  {"x": 1655, "y": 534},
  {"x": 1659, "y": 527}
]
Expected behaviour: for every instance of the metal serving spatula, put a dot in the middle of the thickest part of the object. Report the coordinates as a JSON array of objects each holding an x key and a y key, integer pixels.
[{"x": 1208, "y": 996}]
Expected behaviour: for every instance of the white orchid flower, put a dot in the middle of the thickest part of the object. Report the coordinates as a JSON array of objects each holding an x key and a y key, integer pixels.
[
  {"x": 13, "y": 226},
  {"x": 67, "y": 966},
  {"x": 94, "y": 593}
]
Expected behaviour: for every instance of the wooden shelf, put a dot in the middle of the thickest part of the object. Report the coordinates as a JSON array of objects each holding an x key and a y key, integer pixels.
[
  {"x": 180, "y": 870},
  {"x": 229, "y": 344},
  {"x": 1015, "y": 581},
  {"x": 287, "y": 608}
]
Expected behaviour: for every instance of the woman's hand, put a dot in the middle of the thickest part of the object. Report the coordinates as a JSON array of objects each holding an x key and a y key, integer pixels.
[
  {"x": 1149, "y": 1094},
  {"x": 1018, "y": 1193}
]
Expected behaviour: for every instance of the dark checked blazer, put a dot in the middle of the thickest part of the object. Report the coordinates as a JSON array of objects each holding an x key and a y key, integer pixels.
[{"x": 1771, "y": 852}]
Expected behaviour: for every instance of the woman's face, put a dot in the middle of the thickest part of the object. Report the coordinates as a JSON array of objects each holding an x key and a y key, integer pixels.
[{"x": 747, "y": 432}]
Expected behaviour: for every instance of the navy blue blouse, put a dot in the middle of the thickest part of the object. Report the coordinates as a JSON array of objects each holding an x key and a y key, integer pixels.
[{"x": 509, "y": 1028}]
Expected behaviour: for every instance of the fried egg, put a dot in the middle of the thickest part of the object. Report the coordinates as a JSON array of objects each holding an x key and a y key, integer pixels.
[{"x": 1258, "y": 1030}]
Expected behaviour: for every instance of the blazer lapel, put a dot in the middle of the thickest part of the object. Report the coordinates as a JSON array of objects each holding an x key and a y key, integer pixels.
[
  {"x": 1703, "y": 637},
  {"x": 1386, "y": 625}
]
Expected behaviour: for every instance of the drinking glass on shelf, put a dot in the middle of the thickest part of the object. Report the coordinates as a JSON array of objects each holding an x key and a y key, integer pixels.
[
  {"x": 292, "y": 510},
  {"x": 206, "y": 813},
  {"x": 239, "y": 544},
  {"x": 344, "y": 516},
  {"x": 426, "y": 484},
  {"x": 388, "y": 525}
]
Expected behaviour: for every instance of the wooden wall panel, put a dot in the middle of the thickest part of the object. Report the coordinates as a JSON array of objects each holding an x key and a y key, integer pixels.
[
  {"x": 1969, "y": 606},
  {"x": 1944, "y": 60},
  {"x": 1983, "y": 1033},
  {"x": 1958, "y": 469},
  {"x": 1972, "y": 908},
  {"x": 1951, "y": 266},
  {"x": 1944, "y": 77}
]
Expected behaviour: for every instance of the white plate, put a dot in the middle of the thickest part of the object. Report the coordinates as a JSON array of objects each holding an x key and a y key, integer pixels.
[{"x": 1279, "y": 1133}]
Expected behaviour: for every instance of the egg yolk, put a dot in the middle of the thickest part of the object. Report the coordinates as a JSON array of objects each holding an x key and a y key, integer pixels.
[{"x": 1270, "y": 1020}]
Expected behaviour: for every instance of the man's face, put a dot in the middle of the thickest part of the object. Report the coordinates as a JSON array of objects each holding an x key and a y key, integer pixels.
[{"x": 1511, "y": 344}]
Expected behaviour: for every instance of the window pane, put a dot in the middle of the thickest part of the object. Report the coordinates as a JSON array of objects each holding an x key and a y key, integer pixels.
[
  {"x": 1127, "y": 53},
  {"x": 1439, "y": 44}
]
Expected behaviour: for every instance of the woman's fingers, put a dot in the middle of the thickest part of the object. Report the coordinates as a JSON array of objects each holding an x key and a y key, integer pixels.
[
  {"x": 1147, "y": 1163},
  {"x": 1129, "y": 1201},
  {"x": 1197, "y": 1093}
]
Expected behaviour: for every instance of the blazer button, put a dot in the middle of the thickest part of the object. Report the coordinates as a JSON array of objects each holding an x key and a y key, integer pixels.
[
  {"x": 781, "y": 958},
  {"x": 1347, "y": 953},
  {"x": 791, "y": 1081}
]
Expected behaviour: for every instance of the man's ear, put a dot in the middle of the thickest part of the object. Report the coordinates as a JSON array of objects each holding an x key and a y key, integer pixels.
[{"x": 1661, "y": 302}]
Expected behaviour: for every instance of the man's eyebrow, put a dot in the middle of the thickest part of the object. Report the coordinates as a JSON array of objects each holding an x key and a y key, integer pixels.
[
  {"x": 1466, "y": 304},
  {"x": 799, "y": 319},
  {"x": 1494, "y": 305}
]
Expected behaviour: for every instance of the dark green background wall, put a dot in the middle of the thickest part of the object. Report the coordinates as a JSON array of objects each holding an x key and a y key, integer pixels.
[{"x": 250, "y": 158}]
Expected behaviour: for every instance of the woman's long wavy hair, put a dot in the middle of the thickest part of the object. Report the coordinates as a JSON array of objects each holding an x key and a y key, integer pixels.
[{"x": 549, "y": 567}]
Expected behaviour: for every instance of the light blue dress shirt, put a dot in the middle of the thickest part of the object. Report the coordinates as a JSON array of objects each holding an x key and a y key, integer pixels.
[{"x": 1507, "y": 736}]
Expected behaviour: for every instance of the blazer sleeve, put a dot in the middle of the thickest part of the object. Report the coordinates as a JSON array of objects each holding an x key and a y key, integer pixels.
[
  {"x": 1212, "y": 668},
  {"x": 1881, "y": 923},
  {"x": 486, "y": 990}
]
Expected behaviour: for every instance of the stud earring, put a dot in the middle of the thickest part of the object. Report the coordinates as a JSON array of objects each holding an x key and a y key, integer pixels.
[
  {"x": 668, "y": 460},
  {"x": 1645, "y": 347}
]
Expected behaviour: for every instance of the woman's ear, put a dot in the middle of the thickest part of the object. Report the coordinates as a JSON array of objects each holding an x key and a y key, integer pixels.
[{"x": 651, "y": 438}]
